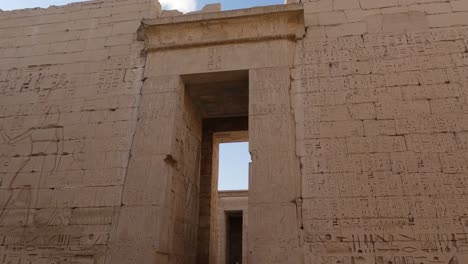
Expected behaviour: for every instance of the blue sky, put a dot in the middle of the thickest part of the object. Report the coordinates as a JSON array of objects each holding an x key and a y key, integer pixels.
[
  {"x": 185, "y": 5},
  {"x": 234, "y": 159},
  {"x": 237, "y": 4}
]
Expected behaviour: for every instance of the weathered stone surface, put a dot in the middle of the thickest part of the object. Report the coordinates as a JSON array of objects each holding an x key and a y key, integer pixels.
[
  {"x": 68, "y": 105},
  {"x": 357, "y": 118}
]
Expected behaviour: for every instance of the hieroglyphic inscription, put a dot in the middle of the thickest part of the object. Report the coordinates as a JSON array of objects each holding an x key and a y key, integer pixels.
[
  {"x": 37, "y": 79},
  {"x": 214, "y": 59},
  {"x": 389, "y": 248},
  {"x": 112, "y": 74}
]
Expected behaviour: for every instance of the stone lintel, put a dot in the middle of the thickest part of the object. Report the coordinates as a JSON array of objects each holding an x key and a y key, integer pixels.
[
  {"x": 236, "y": 193},
  {"x": 244, "y": 25}
]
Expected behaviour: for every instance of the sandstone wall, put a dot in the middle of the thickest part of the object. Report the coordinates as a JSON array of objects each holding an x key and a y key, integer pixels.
[
  {"x": 97, "y": 166},
  {"x": 381, "y": 96},
  {"x": 70, "y": 83}
]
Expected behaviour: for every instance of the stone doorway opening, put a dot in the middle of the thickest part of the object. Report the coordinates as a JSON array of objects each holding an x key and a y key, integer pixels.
[
  {"x": 222, "y": 99},
  {"x": 232, "y": 201},
  {"x": 234, "y": 234}
]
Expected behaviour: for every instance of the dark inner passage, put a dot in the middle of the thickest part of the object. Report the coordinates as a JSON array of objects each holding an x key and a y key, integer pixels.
[
  {"x": 220, "y": 94},
  {"x": 222, "y": 98},
  {"x": 234, "y": 238}
]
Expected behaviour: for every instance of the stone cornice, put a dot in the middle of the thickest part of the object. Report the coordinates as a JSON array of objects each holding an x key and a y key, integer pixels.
[{"x": 204, "y": 29}]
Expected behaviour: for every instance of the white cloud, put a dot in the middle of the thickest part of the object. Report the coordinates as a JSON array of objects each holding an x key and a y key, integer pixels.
[{"x": 181, "y": 5}]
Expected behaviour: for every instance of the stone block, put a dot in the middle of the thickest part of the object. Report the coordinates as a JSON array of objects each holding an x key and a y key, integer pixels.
[
  {"x": 49, "y": 217},
  {"x": 394, "y": 10},
  {"x": 162, "y": 84},
  {"x": 362, "y": 111},
  {"x": 336, "y": 129},
  {"x": 366, "y": 82},
  {"x": 375, "y": 162},
  {"x": 127, "y": 27},
  {"x": 264, "y": 94},
  {"x": 385, "y": 39},
  {"x": 437, "y": 34},
  {"x": 311, "y": 71},
  {"x": 311, "y": 20},
  {"x": 319, "y": 85},
  {"x": 461, "y": 59},
  {"x": 433, "y": 8},
  {"x": 360, "y": 15},
  {"x": 323, "y": 185},
  {"x": 431, "y": 91},
  {"x": 384, "y": 144},
  {"x": 462, "y": 140},
  {"x": 395, "y": 207},
  {"x": 219, "y": 58},
  {"x": 332, "y": 18},
  {"x": 331, "y": 164},
  {"x": 277, "y": 128},
  {"x": 415, "y": 162},
  {"x": 434, "y": 48},
  {"x": 456, "y": 162},
  {"x": 432, "y": 124},
  {"x": 350, "y": 68},
  {"x": 147, "y": 179},
  {"x": 318, "y": 147},
  {"x": 379, "y": 127},
  {"x": 349, "y": 29},
  {"x": 448, "y": 20},
  {"x": 272, "y": 247},
  {"x": 447, "y": 106},
  {"x": 162, "y": 144},
  {"x": 150, "y": 229},
  {"x": 457, "y": 75},
  {"x": 412, "y": 64},
  {"x": 280, "y": 177},
  {"x": 369, "y": 4},
  {"x": 431, "y": 143},
  {"x": 79, "y": 197},
  {"x": 459, "y": 5},
  {"x": 320, "y": 6},
  {"x": 413, "y": 78},
  {"x": 402, "y": 22},
  {"x": 401, "y": 109},
  {"x": 345, "y": 4},
  {"x": 329, "y": 113}
]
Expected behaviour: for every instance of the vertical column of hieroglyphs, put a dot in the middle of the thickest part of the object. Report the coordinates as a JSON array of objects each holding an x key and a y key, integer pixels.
[
  {"x": 274, "y": 181},
  {"x": 381, "y": 102},
  {"x": 70, "y": 78}
]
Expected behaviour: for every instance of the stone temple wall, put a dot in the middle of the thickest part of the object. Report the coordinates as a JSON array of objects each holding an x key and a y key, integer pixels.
[
  {"x": 70, "y": 82},
  {"x": 380, "y": 93},
  {"x": 100, "y": 163}
]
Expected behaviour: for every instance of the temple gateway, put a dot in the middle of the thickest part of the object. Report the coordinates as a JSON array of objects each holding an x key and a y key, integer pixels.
[{"x": 356, "y": 113}]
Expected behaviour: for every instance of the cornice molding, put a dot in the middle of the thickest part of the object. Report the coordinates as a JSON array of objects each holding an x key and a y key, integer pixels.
[{"x": 237, "y": 26}]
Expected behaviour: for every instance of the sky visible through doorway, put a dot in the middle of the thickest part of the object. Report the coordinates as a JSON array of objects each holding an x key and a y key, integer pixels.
[
  {"x": 183, "y": 5},
  {"x": 234, "y": 159}
]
